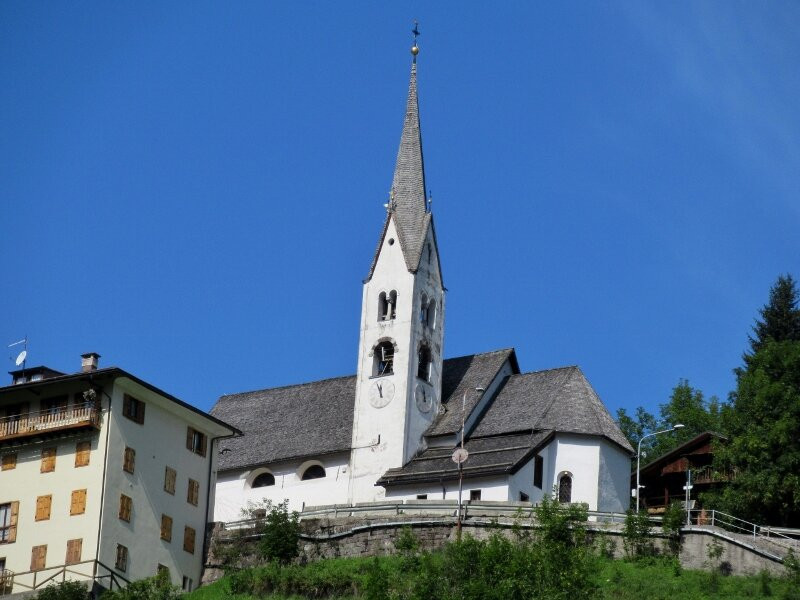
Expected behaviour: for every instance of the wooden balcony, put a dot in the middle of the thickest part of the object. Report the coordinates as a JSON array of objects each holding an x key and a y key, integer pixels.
[{"x": 47, "y": 422}]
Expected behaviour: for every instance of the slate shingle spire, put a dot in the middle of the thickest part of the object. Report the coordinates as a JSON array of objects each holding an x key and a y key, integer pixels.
[{"x": 408, "y": 184}]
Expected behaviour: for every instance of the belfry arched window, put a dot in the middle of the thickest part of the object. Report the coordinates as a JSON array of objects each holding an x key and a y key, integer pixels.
[
  {"x": 565, "y": 488},
  {"x": 424, "y": 364},
  {"x": 383, "y": 359},
  {"x": 431, "y": 320},
  {"x": 387, "y": 306},
  {"x": 423, "y": 310}
]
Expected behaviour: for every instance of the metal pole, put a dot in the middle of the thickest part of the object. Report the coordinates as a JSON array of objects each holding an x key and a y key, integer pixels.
[
  {"x": 458, "y": 521},
  {"x": 638, "y": 462}
]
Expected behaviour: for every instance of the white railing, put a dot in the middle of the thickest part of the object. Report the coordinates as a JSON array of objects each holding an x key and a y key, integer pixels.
[{"x": 34, "y": 422}]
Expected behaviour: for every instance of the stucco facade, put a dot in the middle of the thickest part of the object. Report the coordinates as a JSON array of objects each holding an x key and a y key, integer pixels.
[{"x": 134, "y": 432}]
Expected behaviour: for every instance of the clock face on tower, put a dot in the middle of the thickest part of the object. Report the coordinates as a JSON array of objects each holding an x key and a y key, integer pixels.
[
  {"x": 424, "y": 398},
  {"x": 381, "y": 393}
]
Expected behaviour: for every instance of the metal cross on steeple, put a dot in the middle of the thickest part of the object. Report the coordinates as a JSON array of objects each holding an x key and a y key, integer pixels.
[{"x": 415, "y": 48}]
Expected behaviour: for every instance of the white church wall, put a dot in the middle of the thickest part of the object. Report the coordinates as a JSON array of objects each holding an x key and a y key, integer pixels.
[
  {"x": 491, "y": 488},
  {"x": 522, "y": 480},
  {"x": 614, "y": 478},
  {"x": 579, "y": 456},
  {"x": 234, "y": 488}
]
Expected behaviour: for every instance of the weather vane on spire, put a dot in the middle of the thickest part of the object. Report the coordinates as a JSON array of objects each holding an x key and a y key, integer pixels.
[{"x": 415, "y": 48}]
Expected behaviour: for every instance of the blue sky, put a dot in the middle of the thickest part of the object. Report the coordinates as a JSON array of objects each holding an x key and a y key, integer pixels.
[{"x": 194, "y": 190}]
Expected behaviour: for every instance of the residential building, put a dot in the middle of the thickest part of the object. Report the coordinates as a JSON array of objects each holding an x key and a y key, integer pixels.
[{"x": 104, "y": 477}]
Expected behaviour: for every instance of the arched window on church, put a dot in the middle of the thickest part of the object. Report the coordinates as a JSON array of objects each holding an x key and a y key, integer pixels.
[
  {"x": 383, "y": 359},
  {"x": 424, "y": 365},
  {"x": 263, "y": 480},
  {"x": 392, "y": 312},
  {"x": 565, "y": 488},
  {"x": 382, "y": 306},
  {"x": 313, "y": 472},
  {"x": 431, "y": 320},
  {"x": 429, "y": 254},
  {"x": 423, "y": 310}
]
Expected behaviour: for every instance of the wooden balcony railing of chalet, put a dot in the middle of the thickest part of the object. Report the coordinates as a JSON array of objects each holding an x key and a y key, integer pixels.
[{"x": 34, "y": 423}]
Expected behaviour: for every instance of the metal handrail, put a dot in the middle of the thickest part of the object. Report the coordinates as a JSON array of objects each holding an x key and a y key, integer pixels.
[
  {"x": 50, "y": 574},
  {"x": 716, "y": 518},
  {"x": 45, "y": 419}
]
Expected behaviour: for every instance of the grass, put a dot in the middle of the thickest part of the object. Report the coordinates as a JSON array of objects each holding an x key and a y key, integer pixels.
[{"x": 616, "y": 579}]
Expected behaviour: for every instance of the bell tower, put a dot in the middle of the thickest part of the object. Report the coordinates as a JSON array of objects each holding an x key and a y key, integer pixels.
[{"x": 399, "y": 380}]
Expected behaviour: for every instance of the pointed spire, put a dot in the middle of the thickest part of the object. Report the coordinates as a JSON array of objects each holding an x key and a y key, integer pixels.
[{"x": 408, "y": 184}]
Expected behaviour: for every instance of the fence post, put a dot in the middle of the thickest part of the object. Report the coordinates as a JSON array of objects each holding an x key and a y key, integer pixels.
[
  {"x": 713, "y": 512},
  {"x": 754, "y": 530}
]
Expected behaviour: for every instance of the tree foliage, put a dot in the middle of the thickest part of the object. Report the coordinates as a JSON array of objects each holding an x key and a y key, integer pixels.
[
  {"x": 687, "y": 406},
  {"x": 764, "y": 447},
  {"x": 780, "y": 317}
]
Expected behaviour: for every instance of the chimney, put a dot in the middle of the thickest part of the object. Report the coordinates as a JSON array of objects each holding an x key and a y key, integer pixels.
[{"x": 89, "y": 362}]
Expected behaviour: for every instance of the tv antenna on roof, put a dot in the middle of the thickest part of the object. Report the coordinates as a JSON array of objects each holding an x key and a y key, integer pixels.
[{"x": 22, "y": 356}]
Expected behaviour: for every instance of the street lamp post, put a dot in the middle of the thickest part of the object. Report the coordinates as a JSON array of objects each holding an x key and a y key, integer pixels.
[
  {"x": 639, "y": 456},
  {"x": 460, "y": 457}
]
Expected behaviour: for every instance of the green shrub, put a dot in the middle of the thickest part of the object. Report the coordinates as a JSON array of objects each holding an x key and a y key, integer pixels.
[
  {"x": 671, "y": 523},
  {"x": 153, "y": 588},
  {"x": 65, "y": 590},
  {"x": 280, "y": 534},
  {"x": 636, "y": 535}
]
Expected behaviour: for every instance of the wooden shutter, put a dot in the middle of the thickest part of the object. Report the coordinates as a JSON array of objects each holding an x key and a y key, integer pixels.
[
  {"x": 82, "y": 450},
  {"x": 125, "y": 507},
  {"x": 43, "y": 504},
  {"x": 139, "y": 411},
  {"x": 48, "y": 460},
  {"x": 193, "y": 493},
  {"x": 190, "y": 439},
  {"x": 9, "y": 461},
  {"x": 12, "y": 532},
  {"x": 74, "y": 551},
  {"x": 188, "y": 540},
  {"x": 129, "y": 461},
  {"x": 126, "y": 406},
  {"x": 38, "y": 557},
  {"x": 169, "y": 480},
  {"x": 166, "y": 528},
  {"x": 203, "y": 441},
  {"x": 77, "y": 504}
]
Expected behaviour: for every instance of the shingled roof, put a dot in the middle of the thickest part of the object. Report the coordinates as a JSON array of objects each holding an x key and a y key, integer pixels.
[
  {"x": 310, "y": 419},
  {"x": 487, "y": 456},
  {"x": 556, "y": 399}
]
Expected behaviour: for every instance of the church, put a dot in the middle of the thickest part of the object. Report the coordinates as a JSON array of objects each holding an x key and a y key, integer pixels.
[{"x": 390, "y": 430}]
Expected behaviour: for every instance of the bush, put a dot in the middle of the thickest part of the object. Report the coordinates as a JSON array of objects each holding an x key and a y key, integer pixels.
[
  {"x": 153, "y": 588},
  {"x": 280, "y": 534},
  {"x": 636, "y": 535},
  {"x": 65, "y": 590},
  {"x": 672, "y": 521}
]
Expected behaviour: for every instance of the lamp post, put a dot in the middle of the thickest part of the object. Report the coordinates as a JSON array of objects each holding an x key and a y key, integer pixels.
[
  {"x": 639, "y": 457},
  {"x": 459, "y": 456}
]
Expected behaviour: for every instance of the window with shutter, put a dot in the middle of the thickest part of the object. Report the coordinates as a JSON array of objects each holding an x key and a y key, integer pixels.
[
  {"x": 188, "y": 540},
  {"x": 133, "y": 409},
  {"x": 166, "y": 528},
  {"x": 38, "y": 557},
  {"x": 538, "y": 471},
  {"x": 9, "y": 514},
  {"x": 125, "y": 507},
  {"x": 129, "y": 461},
  {"x": 77, "y": 505},
  {"x": 48, "y": 460},
  {"x": 193, "y": 494},
  {"x": 43, "y": 504},
  {"x": 74, "y": 551},
  {"x": 121, "y": 562},
  {"x": 196, "y": 441},
  {"x": 9, "y": 461},
  {"x": 82, "y": 450},
  {"x": 169, "y": 480}
]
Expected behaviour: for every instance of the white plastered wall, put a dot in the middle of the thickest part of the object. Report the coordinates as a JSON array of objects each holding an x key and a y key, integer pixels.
[
  {"x": 615, "y": 478},
  {"x": 159, "y": 442},
  {"x": 26, "y": 482},
  {"x": 233, "y": 490},
  {"x": 580, "y": 456},
  {"x": 492, "y": 488}
]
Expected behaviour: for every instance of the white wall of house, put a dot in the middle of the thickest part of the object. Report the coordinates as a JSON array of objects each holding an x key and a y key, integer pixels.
[
  {"x": 614, "y": 478},
  {"x": 580, "y": 456},
  {"x": 522, "y": 480},
  {"x": 159, "y": 442},
  {"x": 234, "y": 488},
  {"x": 26, "y": 482},
  {"x": 491, "y": 488}
]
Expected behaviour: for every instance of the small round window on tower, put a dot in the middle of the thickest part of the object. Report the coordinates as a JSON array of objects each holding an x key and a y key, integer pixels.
[{"x": 391, "y": 241}]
